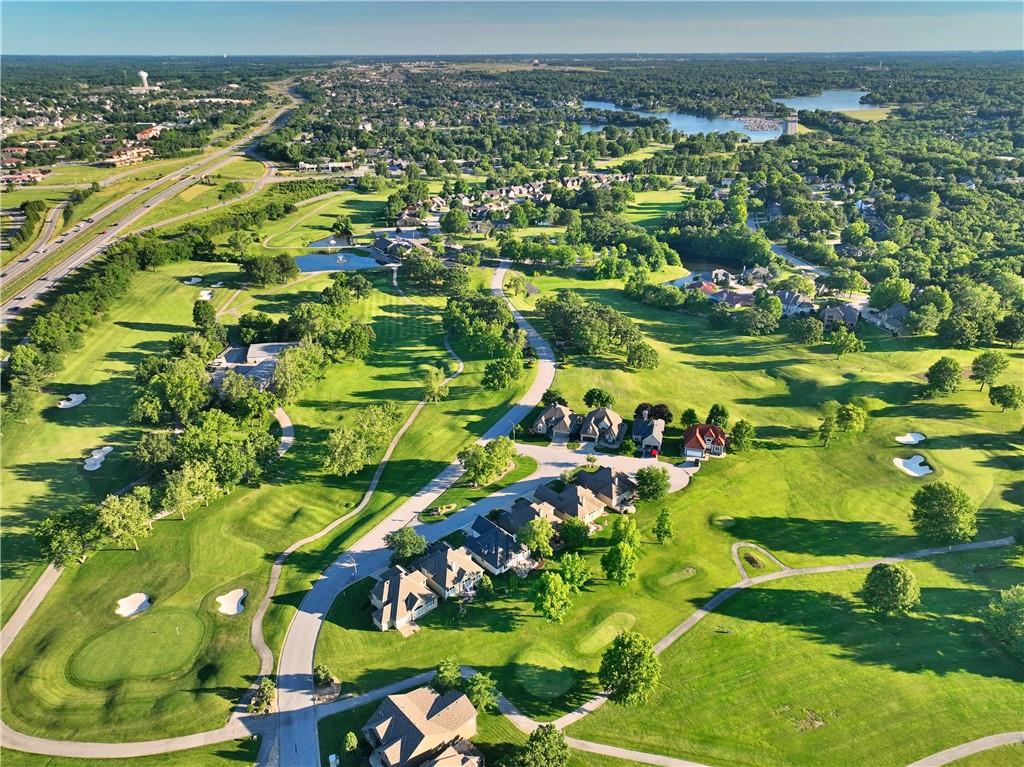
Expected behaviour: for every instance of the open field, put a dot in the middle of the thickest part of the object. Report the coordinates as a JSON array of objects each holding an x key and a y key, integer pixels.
[
  {"x": 194, "y": 198},
  {"x": 26, "y": 193},
  {"x": 242, "y": 168},
  {"x": 640, "y": 154},
  {"x": 648, "y": 208},
  {"x": 233, "y": 754},
  {"x": 313, "y": 222},
  {"x": 869, "y": 114},
  {"x": 798, "y": 672}
]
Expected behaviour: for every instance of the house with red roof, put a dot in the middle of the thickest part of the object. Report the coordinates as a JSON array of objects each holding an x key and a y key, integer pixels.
[{"x": 704, "y": 439}]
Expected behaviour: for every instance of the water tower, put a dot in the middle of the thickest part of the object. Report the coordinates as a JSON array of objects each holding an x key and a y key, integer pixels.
[{"x": 144, "y": 76}]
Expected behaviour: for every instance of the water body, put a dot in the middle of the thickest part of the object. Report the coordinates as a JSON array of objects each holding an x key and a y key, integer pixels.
[
  {"x": 833, "y": 101},
  {"x": 344, "y": 261}
]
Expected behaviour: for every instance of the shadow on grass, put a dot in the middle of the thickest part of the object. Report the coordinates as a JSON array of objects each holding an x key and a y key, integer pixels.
[{"x": 823, "y": 537}]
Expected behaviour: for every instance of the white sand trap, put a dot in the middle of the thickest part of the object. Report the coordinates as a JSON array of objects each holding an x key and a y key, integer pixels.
[
  {"x": 911, "y": 438},
  {"x": 193, "y": 280},
  {"x": 217, "y": 285},
  {"x": 231, "y": 603},
  {"x": 72, "y": 400},
  {"x": 915, "y": 466},
  {"x": 205, "y": 295},
  {"x": 133, "y": 604},
  {"x": 96, "y": 459}
]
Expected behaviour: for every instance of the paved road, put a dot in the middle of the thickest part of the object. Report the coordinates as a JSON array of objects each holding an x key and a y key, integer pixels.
[
  {"x": 967, "y": 749},
  {"x": 92, "y": 247}
]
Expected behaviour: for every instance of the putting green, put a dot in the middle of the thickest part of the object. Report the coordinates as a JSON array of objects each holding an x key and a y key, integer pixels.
[
  {"x": 156, "y": 644},
  {"x": 543, "y": 674},
  {"x": 677, "y": 576},
  {"x": 604, "y": 632}
]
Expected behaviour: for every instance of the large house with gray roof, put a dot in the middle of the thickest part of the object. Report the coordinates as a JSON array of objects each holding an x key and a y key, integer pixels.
[
  {"x": 495, "y": 549},
  {"x": 420, "y": 728}
]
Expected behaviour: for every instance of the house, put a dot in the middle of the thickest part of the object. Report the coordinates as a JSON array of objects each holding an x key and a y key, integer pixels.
[
  {"x": 415, "y": 728},
  {"x": 756, "y": 274},
  {"x": 461, "y": 753},
  {"x": 572, "y": 502},
  {"x": 603, "y": 426},
  {"x": 450, "y": 572},
  {"x": 523, "y": 512},
  {"x": 557, "y": 421},
  {"x": 841, "y": 314},
  {"x": 612, "y": 488},
  {"x": 894, "y": 317},
  {"x": 709, "y": 289},
  {"x": 733, "y": 298},
  {"x": 721, "y": 277},
  {"x": 704, "y": 439},
  {"x": 494, "y": 548},
  {"x": 795, "y": 304},
  {"x": 400, "y": 597},
  {"x": 648, "y": 433}
]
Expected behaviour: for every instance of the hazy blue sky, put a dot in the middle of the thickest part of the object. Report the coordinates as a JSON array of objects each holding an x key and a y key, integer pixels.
[{"x": 341, "y": 28}]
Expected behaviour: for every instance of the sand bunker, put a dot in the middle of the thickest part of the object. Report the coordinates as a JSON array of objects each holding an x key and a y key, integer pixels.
[
  {"x": 96, "y": 459},
  {"x": 915, "y": 466},
  {"x": 205, "y": 295},
  {"x": 910, "y": 438},
  {"x": 231, "y": 603},
  {"x": 217, "y": 285},
  {"x": 72, "y": 400},
  {"x": 193, "y": 280},
  {"x": 133, "y": 604}
]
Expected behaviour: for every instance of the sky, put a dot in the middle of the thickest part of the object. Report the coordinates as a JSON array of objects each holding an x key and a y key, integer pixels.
[{"x": 275, "y": 27}]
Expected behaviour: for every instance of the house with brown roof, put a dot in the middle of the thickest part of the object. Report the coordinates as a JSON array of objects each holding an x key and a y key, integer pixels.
[
  {"x": 704, "y": 439},
  {"x": 603, "y": 426},
  {"x": 572, "y": 502},
  {"x": 523, "y": 512},
  {"x": 841, "y": 314},
  {"x": 613, "y": 488},
  {"x": 557, "y": 421},
  {"x": 450, "y": 572},
  {"x": 400, "y": 597},
  {"x": 416, "y": 728},
  {"x": 461, "y": 753}
]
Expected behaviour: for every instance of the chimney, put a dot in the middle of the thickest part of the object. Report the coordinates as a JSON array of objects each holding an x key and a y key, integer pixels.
[{"x": 644, "y": 415}]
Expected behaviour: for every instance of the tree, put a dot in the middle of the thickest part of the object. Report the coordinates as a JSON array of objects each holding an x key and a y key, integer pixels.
[
  {"x": 536, "y": 535},
  {"x": 123, "y": 519},
  {"x": 69, "y": 536},
  {"x": 851, "y": 418},
  {"x": 322, "y": 675},
  {"x": 629, "y": 669},
  {"x": 987, "y": 367},
  {"x": 718, "y": 415},
  {"x": 893, "y": 290},
  {"x": 742, "y": 437},
  {"x": 806, "y": 330},
  {"x": 1010, "y": 329},
  {"x": 448, "y": 676},
  {"x": 263, "y": 699},
  {"x": 845, "y": 342},
  {"x": 759, "y": 322},
  {"x": 575, "y": 572},
  {"x": 203, "y": 315},
  {"x": 663, "y": 530},
  {"x": 944, "y": 512},
  {"x": 574, "y": 533},
  {"x": 502, "y": 373},
  {"x": 553, "y": 597},
  {"x": 944, "y": 376},
  {"x": 351, "y": 742},
  {"x": 405, "y": 544},
  {"x": 689, "y": 418},
  {"x": 826, "y": 430},
  {"x": 485, "y": 586},
  {"x": 186, "y": 387},
  {"x": 155, "y": 450},
  {"x": 342, "y": 226},
  {"x": 193, "y": 484},
  {"x": 651, "y": 483},
  {"x": 1004, "y": 619},
  {"x": 891, "y": 588},
  {"x": 352, "y": 445},
  {"x": 546, "y": 747},
  {"x": 598, "y": 397},
  {"x": 483, "y": 463},
  {"x": 619, "y": 563},
  {"x": 553, "y": 397},
  {"x": 482, "y": 692},
  {"x": 1009, "y": 396},
  {"x": 625, "y": 530},
  {"x": 455, "y": 221},
  {"x": 434, "y": 387},
  {"x": 641, "y": 355}
]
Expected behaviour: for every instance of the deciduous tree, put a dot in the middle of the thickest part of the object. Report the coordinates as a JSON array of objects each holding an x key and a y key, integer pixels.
[
  {"x": 629, "y": 670},
  {"x": 891, "y": 588},
  {"x": 944, "y": 512},
  {"x": 553, "y": 597},
  {"x": 651, "y": 483}
]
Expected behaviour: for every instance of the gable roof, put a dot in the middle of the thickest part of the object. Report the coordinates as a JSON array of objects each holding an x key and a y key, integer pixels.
[
  {"x": 399, "y": 593},
  {"x": 415, "y": 723},
  {"x": 553, "y": 416},
  {"x": 697, "y": 436},
  {"x": 606, "y": 482},
  {"x": 491, "y": 544},
  {"x": 572, "y": 501},
  {"x": 446, "y": 566},
  {"x": 648, "y": 428},
  {"x": 601, "y": 420},
  {"x": 847, "y": 313},
  {"x": 523, "y": 512}
]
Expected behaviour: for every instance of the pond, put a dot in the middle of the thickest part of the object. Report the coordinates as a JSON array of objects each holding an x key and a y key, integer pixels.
[
  {"x": 833, "y": 101},
  {"x": 687, "y": 123},
  {"x": 345, "y": 261}
]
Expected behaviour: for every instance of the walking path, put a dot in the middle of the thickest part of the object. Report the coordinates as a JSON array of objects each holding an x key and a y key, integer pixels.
[
  {"x": 287, "y": 431},
  {"x": 968, "y": 749}
]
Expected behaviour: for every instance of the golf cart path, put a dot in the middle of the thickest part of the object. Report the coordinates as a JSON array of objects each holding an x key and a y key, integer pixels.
[{"x": 957, "y": 753}]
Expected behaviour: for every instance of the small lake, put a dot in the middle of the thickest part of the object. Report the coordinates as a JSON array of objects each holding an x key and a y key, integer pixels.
[
  {"x": 834, "y": 101},
  {"x": 345, "y": 261}
]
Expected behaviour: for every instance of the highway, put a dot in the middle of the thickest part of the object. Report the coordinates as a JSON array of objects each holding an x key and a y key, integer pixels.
[{"x": 92, "y": 246}]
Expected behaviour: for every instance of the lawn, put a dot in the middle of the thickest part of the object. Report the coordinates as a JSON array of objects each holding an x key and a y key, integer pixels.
[
  {"x": 648, "y": 208},
  {"x": 870, "y": 114},
  {"x": 1004, "y": 756},
  {"x": 797, "y": 672},
  {"x": 461, "y": 494},
  {"x": 242, "y": 168},
  {"x": 230, "y": 754},
  {"x": 193, "y": 199},
  {"x": 313, "y": 221},
  {"x": 640, "y": 154}
]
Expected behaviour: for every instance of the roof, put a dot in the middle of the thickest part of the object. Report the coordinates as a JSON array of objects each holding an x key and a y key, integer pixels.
[
  {"x": 644, "y": 428},
  {"x": 523, "y": 512},
  {"x": 399, "y": 593},
  {"x": 572, "y": 501},
  {"x": 848, "y": 313},
  {"x": 461, "y": 753},
  {"x": 493, "y": 545},
  {"x": 606, "y": 481},
  {"x": 446, "y": 566},
  {"x": 732, "y": 298},
  {"x": 697, "y": 436},
  {"x": 555, "y": 415},
  {"x": 257, "y": 353},
  {"x": 602, "y": 419},
  {"x": 896, "y": 312},
  {"x": 415, "y": 723}
]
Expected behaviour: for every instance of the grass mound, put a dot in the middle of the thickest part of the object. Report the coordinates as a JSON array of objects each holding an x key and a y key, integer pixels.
[
  {"x": 604, "y": 632},
  {"x": 543, "y": 674},
  {"x": 159, "y": 643},
  {"x": 721, "y": 521},
  {"x": 677, "y": 576}
]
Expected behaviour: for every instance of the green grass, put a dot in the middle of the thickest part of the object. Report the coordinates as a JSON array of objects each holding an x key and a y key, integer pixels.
[
  {"x": 230, "y": 754},
  {"x": 798, "y": 672},
  {"x": 194, "y": 198},
  {"x": 640, "y": 154},
  {"x": 242, "y": 168},
  {"x": 1004, "y": 756},
  {"x": 648, "y": 208},
  {"x": 462, "y": 494},
  {"x": 313, "y": 222}
]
